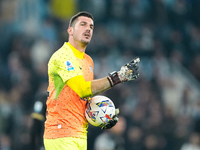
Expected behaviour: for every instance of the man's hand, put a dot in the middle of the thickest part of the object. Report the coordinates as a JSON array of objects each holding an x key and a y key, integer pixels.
[
  {"x": 112, "y": 122},
  {"x": 127, "y": 72}
]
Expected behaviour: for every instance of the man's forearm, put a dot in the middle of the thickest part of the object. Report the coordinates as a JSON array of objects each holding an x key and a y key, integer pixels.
[{"x": 100, "y": 85}]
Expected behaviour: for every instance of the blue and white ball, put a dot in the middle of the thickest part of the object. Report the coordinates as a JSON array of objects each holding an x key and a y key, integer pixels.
[{"x": 99, "y": 110}]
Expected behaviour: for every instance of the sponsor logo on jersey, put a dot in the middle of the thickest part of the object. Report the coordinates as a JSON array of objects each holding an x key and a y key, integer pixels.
[{"x": 69, "y": 65}]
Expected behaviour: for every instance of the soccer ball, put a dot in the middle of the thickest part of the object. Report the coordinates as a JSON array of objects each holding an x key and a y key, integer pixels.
[{"x": 99, "y": 110}]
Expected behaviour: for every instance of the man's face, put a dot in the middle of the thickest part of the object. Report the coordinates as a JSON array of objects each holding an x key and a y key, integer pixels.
[{"x": 83, "y": 29}]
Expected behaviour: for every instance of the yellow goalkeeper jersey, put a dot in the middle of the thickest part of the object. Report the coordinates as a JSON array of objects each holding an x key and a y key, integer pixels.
[{"x": 65, "y": 109}]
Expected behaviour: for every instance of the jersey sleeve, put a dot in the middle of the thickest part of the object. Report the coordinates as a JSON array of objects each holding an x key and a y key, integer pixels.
[{"x": 83, "y": 89}]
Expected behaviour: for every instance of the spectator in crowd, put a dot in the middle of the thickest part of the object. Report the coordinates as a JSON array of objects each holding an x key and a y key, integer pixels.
[{"x": 193, "y": 142}]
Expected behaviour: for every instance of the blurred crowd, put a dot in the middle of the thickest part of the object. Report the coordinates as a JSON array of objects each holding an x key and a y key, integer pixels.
[{"x": 159, "y": 111}]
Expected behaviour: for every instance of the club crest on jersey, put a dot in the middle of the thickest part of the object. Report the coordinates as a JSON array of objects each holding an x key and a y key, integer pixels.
[
  {"x": 91, "y": 68},
  {"x": 69, "y": 65}
]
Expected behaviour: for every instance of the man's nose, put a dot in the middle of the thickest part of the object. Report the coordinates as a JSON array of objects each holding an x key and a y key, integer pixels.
[{"x": 88, "y": 30}]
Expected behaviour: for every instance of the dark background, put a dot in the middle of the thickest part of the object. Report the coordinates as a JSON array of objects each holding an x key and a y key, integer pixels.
[{"x": 161, "y": 108}]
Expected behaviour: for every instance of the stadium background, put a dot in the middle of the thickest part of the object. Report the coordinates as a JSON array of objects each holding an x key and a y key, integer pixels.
[{"x": 161, "y": 109}]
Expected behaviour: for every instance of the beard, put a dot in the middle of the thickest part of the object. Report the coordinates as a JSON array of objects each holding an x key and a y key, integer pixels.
[
  {"x": 85, "y": 42},
  {"x": 82, "y": 39}
]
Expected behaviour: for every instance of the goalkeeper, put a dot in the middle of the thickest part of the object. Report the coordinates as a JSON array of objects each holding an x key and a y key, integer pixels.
[{"x": 71, "y": 82}]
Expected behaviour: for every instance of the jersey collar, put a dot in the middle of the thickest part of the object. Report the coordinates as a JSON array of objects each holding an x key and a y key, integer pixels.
[{"x": 76, "y": 52}]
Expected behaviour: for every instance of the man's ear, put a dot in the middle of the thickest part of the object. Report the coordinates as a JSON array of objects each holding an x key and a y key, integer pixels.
[{"x": 70, "y": 30}]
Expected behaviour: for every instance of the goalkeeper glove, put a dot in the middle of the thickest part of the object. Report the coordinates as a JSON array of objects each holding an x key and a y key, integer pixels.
[
  {"x": 127, "y": 72},
  {"x": 111, "y": 123}
]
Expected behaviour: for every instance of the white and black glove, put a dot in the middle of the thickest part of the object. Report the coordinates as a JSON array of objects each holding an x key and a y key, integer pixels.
[
  {"x": 127, "y": 72},
  {"x": 111, "y": 123}
]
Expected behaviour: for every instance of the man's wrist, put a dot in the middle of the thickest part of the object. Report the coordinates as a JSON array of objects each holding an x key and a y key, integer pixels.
[{"x": 113, "y": 78}]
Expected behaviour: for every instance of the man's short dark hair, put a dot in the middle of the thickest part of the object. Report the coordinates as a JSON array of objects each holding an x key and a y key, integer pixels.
[{"x": 82, "y": 13}]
